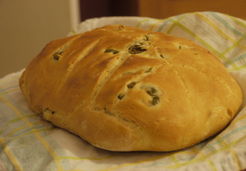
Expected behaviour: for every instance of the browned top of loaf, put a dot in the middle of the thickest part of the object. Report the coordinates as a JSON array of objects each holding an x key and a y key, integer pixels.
[{"x": 122, "y": 88}]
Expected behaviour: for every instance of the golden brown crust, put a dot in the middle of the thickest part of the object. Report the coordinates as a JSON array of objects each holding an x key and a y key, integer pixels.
[{"x": 125, "y": 89}]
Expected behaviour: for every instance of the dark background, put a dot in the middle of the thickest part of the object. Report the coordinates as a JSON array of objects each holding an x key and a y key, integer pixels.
[
  {"x": 158, "y": 8},
  {"x": 100, "y": 8}
]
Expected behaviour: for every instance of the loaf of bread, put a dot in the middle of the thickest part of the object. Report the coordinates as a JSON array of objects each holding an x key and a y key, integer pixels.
[{"x": 121, "y": 88}]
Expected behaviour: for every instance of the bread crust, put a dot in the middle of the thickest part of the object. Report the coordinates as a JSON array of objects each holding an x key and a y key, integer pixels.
[{"x": 125, "y": 89}]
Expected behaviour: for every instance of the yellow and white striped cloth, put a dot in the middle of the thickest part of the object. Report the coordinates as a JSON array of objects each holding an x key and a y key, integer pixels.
[{"x": 29, "y": 143}]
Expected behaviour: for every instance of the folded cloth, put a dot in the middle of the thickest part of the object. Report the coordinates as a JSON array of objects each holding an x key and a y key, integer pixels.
[{"x": 29, "y": 143}]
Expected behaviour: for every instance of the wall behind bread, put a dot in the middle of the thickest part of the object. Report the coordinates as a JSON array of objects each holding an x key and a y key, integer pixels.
[{"x": 27, "y": 25}]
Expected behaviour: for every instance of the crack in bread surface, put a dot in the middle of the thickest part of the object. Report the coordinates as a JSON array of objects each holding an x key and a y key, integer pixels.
[
  {"x": 125, "y": 121},
  {"x": 85, "y": 52},
  {"x": 106, "y": 75}
]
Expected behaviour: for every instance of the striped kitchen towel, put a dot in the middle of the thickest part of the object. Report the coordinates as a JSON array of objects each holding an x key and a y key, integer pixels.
[{"x": 29, "y": 143}]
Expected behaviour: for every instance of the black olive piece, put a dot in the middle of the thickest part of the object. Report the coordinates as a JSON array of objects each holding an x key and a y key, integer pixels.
[
  {"x": 161, "y": 55},
  {"x": 135, "y": 49},
  {"x": 131, "y": 85},
  {"x": 111, "y": 51},
  {"x": 57, "y": 55},
  {"x": 120, "y": 96}
]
